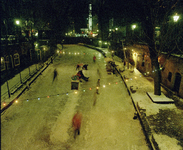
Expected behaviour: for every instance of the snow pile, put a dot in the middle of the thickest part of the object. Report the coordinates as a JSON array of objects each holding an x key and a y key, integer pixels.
[{"x": 166, "y": 143}]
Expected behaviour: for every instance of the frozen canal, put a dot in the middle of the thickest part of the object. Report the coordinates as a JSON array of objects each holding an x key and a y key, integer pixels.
[{"x": 42, "y": 118}]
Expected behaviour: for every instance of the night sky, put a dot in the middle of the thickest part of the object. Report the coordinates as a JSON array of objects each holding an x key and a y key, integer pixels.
[{"x": 63, "y": 15}]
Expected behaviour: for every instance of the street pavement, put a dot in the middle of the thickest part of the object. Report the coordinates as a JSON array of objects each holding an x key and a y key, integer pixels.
[{"x": 162, "y": 122}]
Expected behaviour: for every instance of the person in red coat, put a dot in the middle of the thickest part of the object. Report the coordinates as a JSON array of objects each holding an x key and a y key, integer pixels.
[
  {"x": 76, "y": 123},
  {"x": 94, "y": 58},
  {"x": 81, "y": 75}
]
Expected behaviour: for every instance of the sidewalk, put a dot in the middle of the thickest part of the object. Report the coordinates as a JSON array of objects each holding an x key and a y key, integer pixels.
[
  {"x": 161, "y": 120},
  {"x": 16, "y": 87}
]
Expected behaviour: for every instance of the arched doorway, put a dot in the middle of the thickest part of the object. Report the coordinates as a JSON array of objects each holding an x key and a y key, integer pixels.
[{"x": 177, "y": 82}]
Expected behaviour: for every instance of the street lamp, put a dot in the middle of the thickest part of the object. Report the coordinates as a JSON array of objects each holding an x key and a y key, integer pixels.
[
  {"x": 133, "y": 27},
  {"x": 17, "y": 22},
  {"x": 18, "y": 29}
]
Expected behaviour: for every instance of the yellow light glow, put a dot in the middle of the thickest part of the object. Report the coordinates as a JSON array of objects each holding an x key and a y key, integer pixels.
[
  {"x": 16, "y": 101},
  {"x": 17, "y": 22},
  {"x": 109, "y": 83},
  {"x": 134, "y": 26},
  {"x": 104, "y": 86},
  {"x": 97, "y": 87},
  {"x": 176, "y": 18},
  {"x": 75, "y": 92}
]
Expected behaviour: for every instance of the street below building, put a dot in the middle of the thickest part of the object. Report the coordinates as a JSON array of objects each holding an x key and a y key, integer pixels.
[{"x": 42, "y": 117}]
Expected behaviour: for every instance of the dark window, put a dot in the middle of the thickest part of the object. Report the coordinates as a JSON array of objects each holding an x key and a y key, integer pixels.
[
  {"x": 169, "y": 76},
  {"x": 16, "y": 59}
]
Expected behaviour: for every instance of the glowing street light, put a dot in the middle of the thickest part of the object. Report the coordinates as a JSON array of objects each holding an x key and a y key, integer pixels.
[
  {"x": 176, "y": 18},
  {"x": 17, "y": 22},
  {"x": 133, "y": 27}
]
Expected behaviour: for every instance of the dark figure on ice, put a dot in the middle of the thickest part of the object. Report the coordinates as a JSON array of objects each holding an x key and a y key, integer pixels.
[
  {"x": 55, "y": 73},
  {"x": 77, "y": 67},
  {"x": 76, "y": 123},
  {"x": 51, "y": 59},
  {"x": 85, "y": 66},
  {"x": 81, "y": 75}
]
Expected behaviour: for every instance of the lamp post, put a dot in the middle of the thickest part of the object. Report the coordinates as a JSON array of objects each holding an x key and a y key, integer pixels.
[
  {"x": 175, "y": 19},
  {"x": 133, "y": 28},
  {"x": 17, "y": 22}
]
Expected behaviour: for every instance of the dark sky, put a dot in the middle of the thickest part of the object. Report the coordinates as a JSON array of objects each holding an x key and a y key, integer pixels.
[{"x": 62, "y": 14}]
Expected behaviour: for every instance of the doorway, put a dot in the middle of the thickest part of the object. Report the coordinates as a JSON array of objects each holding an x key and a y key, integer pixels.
[{"x": 177, "y": 82}]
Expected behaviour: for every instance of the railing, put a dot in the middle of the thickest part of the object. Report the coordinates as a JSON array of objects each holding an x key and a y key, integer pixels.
[{"x": 18, "y": 85}]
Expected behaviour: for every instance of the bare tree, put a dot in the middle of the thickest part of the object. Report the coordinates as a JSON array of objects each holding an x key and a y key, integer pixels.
[{"x": 159, "y": 13}]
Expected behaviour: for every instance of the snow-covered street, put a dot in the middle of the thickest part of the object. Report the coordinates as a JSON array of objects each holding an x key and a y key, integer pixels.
[{"x": 42, "y": 118}]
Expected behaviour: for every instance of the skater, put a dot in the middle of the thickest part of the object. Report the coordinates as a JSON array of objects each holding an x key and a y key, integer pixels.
[
  {"x": 78, "y": 66},
  {"x": 81, "y": 75},
  {"x": 76, "y": 123},
  {"x": 85, "y": 66},
  {"x": 55, "y": 73},
  {"x": 94, "y": 58}
]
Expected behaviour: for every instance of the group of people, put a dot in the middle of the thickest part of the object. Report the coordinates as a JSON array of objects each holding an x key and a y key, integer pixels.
[{"x": 80, "y": 74}]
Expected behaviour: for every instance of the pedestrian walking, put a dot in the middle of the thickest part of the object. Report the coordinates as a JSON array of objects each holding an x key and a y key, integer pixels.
[
  {"x": 76, "y": 123},
  {"x": 55, "y": 74},
  {"x": 94, "y": 58}
]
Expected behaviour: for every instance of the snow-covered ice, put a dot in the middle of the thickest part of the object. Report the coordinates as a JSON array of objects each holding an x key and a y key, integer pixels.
[{"x": 44, "y": 122}]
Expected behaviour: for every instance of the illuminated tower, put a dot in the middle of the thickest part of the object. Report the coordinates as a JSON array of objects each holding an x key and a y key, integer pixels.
[{"x": 90, "y": 18}]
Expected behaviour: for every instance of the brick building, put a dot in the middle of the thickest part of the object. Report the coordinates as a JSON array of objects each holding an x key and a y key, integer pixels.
[{"x": 171, "y": 67}]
